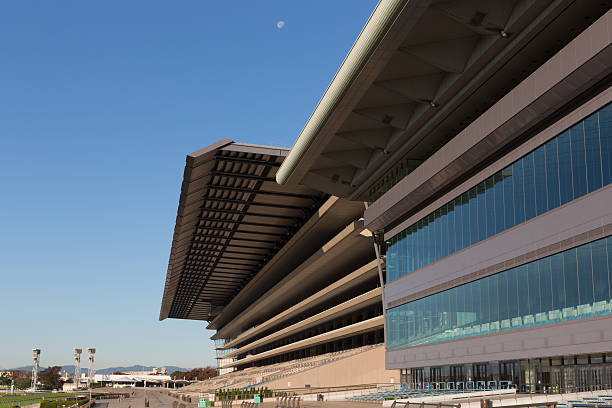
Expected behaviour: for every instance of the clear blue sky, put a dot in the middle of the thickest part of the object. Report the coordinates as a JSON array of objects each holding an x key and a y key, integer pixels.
[{"x": 99, "y": 104}]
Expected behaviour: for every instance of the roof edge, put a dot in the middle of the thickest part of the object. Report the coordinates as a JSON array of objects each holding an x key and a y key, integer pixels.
[{"x": 374, "y": 30}]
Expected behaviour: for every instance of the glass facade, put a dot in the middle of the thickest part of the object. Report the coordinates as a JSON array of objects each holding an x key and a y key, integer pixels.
[
  {"x": 565, "y": 168},
  {"x": 574, "y": 373},
  {"x": 569, "y": 285}
]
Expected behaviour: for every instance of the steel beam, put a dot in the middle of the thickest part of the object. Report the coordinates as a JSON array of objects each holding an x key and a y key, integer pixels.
[
  {"x": 255, "y": 224},
  {"x": 280, "y": 234},
  {"x": 254, "y": 203},
  {"x": 252, "y": 214},
  {"x": 245, "y": 160},
  {"x": 264, "y": 192},
  {"x": 242, "y": 176}
]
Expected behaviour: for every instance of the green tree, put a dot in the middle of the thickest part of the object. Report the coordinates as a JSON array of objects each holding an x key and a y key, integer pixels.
[
  {"x": 5, "y": 380},
  {"x": 23, "y": 382},
  {"x": 50, "y": 378}
]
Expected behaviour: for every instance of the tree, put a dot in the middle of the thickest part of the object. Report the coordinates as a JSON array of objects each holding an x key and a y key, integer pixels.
[
  {"x": 50, "y": 378},
  {"x": 22, "y": 383},
  {"x": 195, "y": 374},
  {"x": 5, "y": 380}
]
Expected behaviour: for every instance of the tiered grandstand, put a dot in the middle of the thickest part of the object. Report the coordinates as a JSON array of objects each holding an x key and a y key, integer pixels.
[{"x": 286, "y": 275}]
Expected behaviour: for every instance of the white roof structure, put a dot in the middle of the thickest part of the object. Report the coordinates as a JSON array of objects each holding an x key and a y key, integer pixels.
[{"x": 130, "y": 378}]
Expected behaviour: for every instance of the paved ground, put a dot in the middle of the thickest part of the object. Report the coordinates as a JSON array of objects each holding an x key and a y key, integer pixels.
[
  {"x": 157, "y": 399},
  {"x": 160, "y": 399}
]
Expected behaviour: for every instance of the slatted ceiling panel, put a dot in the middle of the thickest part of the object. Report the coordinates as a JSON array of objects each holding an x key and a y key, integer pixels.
[{"x": 233, "y": 217}]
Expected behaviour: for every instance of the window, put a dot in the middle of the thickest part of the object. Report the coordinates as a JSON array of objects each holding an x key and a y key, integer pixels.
[
  {"x": 565, "y": 168},
  {"x": 570, "y": 285}
]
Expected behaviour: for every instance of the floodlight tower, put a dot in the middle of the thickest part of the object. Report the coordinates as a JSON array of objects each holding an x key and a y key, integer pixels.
[
  {"x": 36, "y": 356},
  {"x": 92, "y": 371},
  {"x": 77, "y": 366}
]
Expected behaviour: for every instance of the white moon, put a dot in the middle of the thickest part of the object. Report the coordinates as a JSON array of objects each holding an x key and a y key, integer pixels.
[{"x": 280, "y": 24}]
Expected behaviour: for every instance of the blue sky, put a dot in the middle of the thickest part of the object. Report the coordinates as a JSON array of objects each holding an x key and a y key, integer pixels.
[{"x": 99, "y": 104}]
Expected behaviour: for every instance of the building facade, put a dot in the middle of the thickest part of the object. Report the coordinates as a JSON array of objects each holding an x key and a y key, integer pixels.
[{"x": 485, "y": 153}]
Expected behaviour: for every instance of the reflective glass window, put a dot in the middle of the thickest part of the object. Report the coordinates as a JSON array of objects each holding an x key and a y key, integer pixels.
[
  {"x": 593, "y": 153},
  {"x": 605, "y": 138},
  {"x": 568, "y": 166},
  {"x": 539, "y": 163},
  {"x": 578, "y": 160},
  {"x": 552, "y": 174},
  {"x": 544, "y": 291},
  {"x": 529, "y": 183},
  {"x": 565, "y": 168}
]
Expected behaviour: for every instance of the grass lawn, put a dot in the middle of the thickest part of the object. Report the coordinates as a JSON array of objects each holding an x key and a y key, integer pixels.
[{"x": 22, "y": 398}]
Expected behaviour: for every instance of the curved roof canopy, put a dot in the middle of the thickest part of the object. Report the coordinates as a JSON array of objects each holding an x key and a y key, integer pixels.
[
  {"x": 419, "y": 73},
  {"x": 232, "y": 218}
]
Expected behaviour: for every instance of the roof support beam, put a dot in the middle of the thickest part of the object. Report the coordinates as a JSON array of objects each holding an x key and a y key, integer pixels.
[
  {"x": 279, "y": 234},
  {"x": 252, "y": 214},
  {"x": 255, "y": 224},
  {"x": 242, "y": 176},
  {"x": 232, "y": 201},
  {"x": 245, "y": 160},
  {"x": 265, "y": 192}
]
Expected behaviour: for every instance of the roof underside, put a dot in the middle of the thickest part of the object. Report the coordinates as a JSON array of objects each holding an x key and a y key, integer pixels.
[
  {"x": 232, "y": 218},
  {"x": 437, "y": 66}
]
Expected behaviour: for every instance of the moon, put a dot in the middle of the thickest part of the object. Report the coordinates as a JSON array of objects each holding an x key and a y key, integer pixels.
[{"x": 280, "y": 24}]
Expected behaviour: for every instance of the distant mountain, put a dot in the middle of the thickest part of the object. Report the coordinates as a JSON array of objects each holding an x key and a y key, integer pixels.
[{"x": 70, "y": 369}]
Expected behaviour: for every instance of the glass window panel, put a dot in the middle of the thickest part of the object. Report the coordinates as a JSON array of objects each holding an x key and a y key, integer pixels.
[
  {"x": 437, "y": 239},
  {"x": 558, "y": 281},
  {"x": 508, "y": 197},
  {"x": 390, "y": 259},
  {"x": 519, "y": 195},
  {"x": 502, "y": 292},
  {"x": 601, "y": 284},
  {"x": 605, "y": 138},
  {"x": 546, "y": 290},
  {"x": 443, "y": 232},
  {"x": 593, "y": 153},
  {"x": 565, "y": 168},
  {"x": 453, "y": 307},
  {"x": 513, "y": 298},
  {"x": 533, "y": 273},
  {"x": 571, "y": 278},
  {"x": 421, "y": 244},
  {"x": 494, "y": 298},
  {"x": 532, "y": 185},
  {"x": 539, "y": 162},
  {"x": 490, "y": 206},
  {"x": 473, "y": 216},
  {"x": 430, "y": 240},
  {"x": 529, "y": 185},
  {"x": 482, "y": 211},
  {"x": 452, "y": 233},
  {"x": 552, "y": 174},
  {"x": 585, "y": 274},
  {"x": 485, "y": 301},
  {"x": 522, "y": 278},
  {"x": 465, "y": 219},
  {"x": 499, "y": 202},
  {"x": 413, "y": 249},
  {"x": 578, "y": 160},
  {"x": 475, "y": 296}
]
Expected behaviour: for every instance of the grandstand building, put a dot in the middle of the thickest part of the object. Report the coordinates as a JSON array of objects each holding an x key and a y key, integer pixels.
[
  {"x": 480, "y": 134},
  {"x": 286, "y": 275}
]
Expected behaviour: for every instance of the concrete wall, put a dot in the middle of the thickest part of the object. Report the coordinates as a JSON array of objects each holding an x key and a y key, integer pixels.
[{"x": 363, "y": 368}]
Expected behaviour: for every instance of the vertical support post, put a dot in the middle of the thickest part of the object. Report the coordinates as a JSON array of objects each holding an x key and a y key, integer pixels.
[{"x": 382, "y": 282}]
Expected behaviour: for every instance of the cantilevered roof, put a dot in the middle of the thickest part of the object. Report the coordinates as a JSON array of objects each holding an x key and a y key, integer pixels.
[
  {"x": 419, "y": 73},
  {"x": 232, "y": 218}
]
